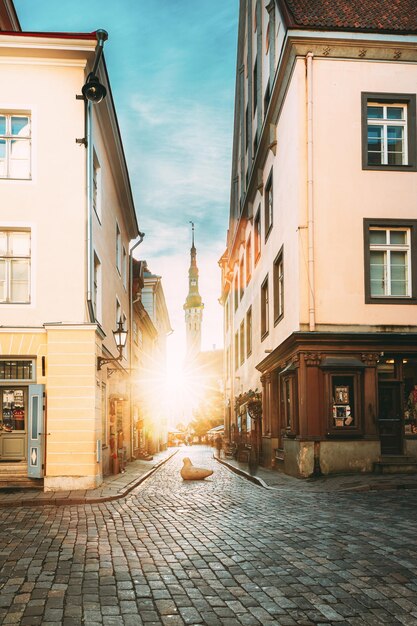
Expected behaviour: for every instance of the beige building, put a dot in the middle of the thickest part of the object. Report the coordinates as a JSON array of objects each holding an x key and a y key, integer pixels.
[
  {"x": 67, "y": 220},
  {"x": 151, "y": 326},
  {"x": 320, "y": 270}
]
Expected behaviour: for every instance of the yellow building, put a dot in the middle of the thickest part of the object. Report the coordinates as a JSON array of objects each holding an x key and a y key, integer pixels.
[{"x": 67, "y": 218}]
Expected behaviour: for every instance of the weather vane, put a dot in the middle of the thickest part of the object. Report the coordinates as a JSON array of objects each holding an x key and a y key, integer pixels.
[{"x": 192, "y": 228}]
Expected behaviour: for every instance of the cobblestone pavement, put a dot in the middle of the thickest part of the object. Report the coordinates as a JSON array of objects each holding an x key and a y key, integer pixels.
[{"x": 219, "y": 552}]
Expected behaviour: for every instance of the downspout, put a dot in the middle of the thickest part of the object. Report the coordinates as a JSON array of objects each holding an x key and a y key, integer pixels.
[
  {"x": 131, "y": 303},
  {"x": 89, "y": 173},
  {"x": 310, "y": 195}
]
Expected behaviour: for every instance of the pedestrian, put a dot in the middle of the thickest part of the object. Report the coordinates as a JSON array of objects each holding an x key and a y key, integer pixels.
[{"x": 219, "y": 444}]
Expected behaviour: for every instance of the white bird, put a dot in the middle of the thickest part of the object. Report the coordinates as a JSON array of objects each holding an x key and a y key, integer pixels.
[{"x": 189, "y": 472}]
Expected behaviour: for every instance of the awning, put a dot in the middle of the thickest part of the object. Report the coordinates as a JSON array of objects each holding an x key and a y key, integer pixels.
[{"x": 342, "y": 362}]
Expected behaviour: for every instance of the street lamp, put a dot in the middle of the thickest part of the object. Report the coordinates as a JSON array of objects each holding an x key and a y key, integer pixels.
[{"x": 120, "y": 337}]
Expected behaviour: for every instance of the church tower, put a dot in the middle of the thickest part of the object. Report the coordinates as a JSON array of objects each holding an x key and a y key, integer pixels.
[{"x": 193, "y": 307}]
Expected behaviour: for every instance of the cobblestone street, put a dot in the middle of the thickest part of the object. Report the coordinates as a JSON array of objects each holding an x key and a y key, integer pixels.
[{"x": 223, "y": 551}]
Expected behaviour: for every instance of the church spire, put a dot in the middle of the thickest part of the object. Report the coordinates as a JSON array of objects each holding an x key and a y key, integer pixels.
[{"x": 193, "y": 306}]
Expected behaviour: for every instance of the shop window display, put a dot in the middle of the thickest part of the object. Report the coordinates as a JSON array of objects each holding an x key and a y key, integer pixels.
[
  {"x": 410, "y": 397},
  {"x": 343, "y": 401},
  {"x": 13, "y": 410}
]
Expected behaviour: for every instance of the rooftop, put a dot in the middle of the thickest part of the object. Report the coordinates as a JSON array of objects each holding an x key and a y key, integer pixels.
[{"x": 390, "y": 16}]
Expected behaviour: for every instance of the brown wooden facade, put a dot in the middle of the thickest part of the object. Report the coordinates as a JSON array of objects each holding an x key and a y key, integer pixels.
[{"x": 336, "y": 402}]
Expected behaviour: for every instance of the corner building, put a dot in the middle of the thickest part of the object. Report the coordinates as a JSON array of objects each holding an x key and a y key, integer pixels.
[
  {"x": 66, "y": 220},
  {"x": 319, "y": 276}
]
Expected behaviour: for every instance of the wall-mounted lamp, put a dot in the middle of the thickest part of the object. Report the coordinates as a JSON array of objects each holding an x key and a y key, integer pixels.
[
  {"x": 93, "y": 91},
  {"x": 120, "y": 337}
]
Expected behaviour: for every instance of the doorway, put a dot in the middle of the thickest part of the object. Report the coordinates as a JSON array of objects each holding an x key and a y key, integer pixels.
[{"x": 390, "y": 418}]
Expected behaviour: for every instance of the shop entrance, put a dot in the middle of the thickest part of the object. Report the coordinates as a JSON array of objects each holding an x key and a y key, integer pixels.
[
  {"x": 390, "y": 418},
  {"x": 13, "y": 423}
]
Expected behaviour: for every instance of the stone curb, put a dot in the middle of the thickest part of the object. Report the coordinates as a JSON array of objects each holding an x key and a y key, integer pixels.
[
  {"x": 84, "y": 500},
  {"x": 367, "y": 487}
]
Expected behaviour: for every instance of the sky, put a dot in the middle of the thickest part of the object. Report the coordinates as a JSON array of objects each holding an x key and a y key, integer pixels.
[{"x": 172, "y": 71}]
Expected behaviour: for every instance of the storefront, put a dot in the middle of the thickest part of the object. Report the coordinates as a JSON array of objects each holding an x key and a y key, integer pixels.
[
  {"x": 21, "y": 417},
  {"x": 340, "y": 403}
]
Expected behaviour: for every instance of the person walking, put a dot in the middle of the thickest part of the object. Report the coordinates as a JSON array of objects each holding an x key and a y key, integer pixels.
[{"x": 219, "y": 444}]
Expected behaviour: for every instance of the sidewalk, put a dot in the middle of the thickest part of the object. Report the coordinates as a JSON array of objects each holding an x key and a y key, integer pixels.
[
  {"x": 277, "y": 480},
  {"x": 113, "y": 487}
]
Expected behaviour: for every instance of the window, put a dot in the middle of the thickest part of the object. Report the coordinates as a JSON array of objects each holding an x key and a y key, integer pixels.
[
  {"x": 246, "y": 128},
  {"x": 97, "y": 287},
  {"x": 269, "y": 208},
  {"x": 241, "y": 278},
  {"x": 236, "y": 292},
  {"x": 279, "y": 287},
  {"x": 15, "y": 266},
  {"x": 17, "y": 370},
  {"x": 249, "y": 332},
  {"x": 124, "y": 267},
  {"x": 255, "y": 86},
  {"x": 118, "y": 312},
  {"x": 236, "y": 350},
  {"x": 226, "y": 314},
  {"x": 264, "y": 309},
  {"x": 257, "y": 235},
  {"x": 248, "y": 260},
  {"x": 104, "y": 429},
  {"x": 118, "y": 249},
  {"x": 242, "y": 342},
  {"x": 96, "y": 191},
  {"x": 390, "y": 261},
  {"x": 15, "y": 145},
  {"x": 267, "y": 95},
  {"x": 124, "y": 320},
  {"x": 388, "y": 131}
]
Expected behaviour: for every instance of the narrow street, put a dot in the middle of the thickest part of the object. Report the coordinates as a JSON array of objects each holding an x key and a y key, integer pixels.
[{"x": 219, "y": 552}]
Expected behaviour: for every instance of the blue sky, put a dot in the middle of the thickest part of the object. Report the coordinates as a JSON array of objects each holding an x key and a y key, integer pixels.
[{"x": 172, "y": 70}]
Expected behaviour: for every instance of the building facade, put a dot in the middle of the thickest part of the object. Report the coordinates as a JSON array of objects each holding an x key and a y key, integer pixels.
[
  {"x": 67, "y": 218},
  {"x": 319, "y": 277}
]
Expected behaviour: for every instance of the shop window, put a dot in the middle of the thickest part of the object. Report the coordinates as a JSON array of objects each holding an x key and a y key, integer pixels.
[
  {"x": 345, "y": 415},
  {"x": 409, "y": 369},
  {"x": 13, "y": 410}
]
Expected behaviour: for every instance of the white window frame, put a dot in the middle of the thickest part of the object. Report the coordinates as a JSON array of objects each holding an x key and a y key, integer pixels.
[
  {"x": 8, "y": 138},
  {"x": 8, "y": 261},
  {"x": 385, "y": 123},
  {"x": 387, "y": 248}
]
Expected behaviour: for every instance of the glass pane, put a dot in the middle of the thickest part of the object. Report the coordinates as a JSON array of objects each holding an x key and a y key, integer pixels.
[
  {"x": 2, "y": 148},
  {"x": 3, "y": 243},
  {"x": 19, "y": 159},
  {"x": 19, "y": 286},
  {"x": 398, "y": 237},
  {"x": 395, "y": 113},
  {"x": 375, "y": 112},
  {"x": 377, "y": 271},
  {"x": 19, "y": 243},
  {"x": 2, "y": 125},
  {"x": 35, "y": 411},
  {"x": 378, "y": 236},
  {"x": 395, "y": 158},
  {"x": 398, "y": 273},
  {"x": 20, "y": 126}
]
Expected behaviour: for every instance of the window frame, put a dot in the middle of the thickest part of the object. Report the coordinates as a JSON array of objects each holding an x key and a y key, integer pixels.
[
  {"x": 248, "y": 260},
  {"x": 118, "y": 249},
  {"x": 357, "y": 403},
  {"x": 97, "y": 287},
  {"x": 264, "y": 308},
  {"x": 8, "y": 259},
  {"x": 257, "y": 235},
  {"x": 411, "y": 225},
  {"x": 279, "y": 282},
  {"x": 7, "y": 137},
  {"x": 242, "y": 342},
  {"x": 96, "y": 187},
  {"x": 409, "y": 100},
  {"x": 236, "y": 351},
  {"x": 269, "y": 205},
  {"x": 249, "y": 332}
]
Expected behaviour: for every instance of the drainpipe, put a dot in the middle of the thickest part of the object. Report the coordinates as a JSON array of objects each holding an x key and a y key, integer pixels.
[
  {"x": 310, "y": 194},
  {"x": 89, "y": 174},
  {"x": 132, "y": 302}
]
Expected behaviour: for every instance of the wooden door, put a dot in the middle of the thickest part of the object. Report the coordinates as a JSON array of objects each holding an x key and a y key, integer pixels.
[{"x": 390, "y": 418}]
